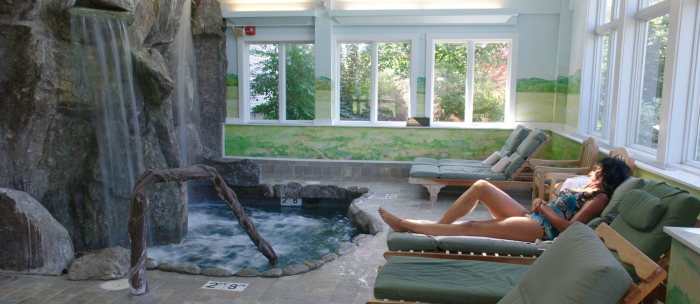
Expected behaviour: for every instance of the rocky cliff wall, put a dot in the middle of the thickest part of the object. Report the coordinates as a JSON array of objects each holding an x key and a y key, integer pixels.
[{"x": 48, "y": 144}]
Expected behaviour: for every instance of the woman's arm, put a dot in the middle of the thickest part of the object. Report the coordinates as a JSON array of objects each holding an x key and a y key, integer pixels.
[{"x": 589, "y": 210}]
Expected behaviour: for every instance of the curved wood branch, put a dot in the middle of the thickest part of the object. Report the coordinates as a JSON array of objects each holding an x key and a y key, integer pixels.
[{"x": 138, "y": 210}]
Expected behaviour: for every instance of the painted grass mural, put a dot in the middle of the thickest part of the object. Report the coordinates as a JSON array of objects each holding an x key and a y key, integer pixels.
[{"x": 344, "y": 143}]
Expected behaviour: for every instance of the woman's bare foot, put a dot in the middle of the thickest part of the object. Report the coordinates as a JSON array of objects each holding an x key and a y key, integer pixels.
[{"x": 392, "y": 220}]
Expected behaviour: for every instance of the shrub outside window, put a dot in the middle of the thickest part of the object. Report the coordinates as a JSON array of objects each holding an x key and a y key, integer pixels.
[
  {"x": 282, "y": 85},
  {"x": 470, "y": 81},
  {"x": 374, "y": 81}
]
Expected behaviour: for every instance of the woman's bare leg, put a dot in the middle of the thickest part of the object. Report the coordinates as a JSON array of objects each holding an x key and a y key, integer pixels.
[
  {"x": 499, "y": 203},
  {"x": 517, "y": 228}
]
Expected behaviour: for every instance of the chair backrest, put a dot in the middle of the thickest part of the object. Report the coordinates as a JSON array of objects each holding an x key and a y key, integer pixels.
[
  {"x": 645, "y": 212},
  {"x": 530, "y": 146},
  {"x": 589, "y": 154},
  {"x": 597, "y": 276},
  {"x": 621, "y": 154},
  {"x": 649, "y": 273}
]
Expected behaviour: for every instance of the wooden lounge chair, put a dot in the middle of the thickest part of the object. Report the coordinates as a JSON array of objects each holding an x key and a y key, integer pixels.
[
  {"x": 555, "y": 178},
  {"x": 638, "y": 210},
  {"x": 549, "y": 170},
  {"x": 576, "y": 268},
  {"x": 435, "y": 176}
]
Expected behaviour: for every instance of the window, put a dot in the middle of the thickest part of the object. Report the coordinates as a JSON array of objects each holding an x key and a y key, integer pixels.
[
  {"x": 375, "y": 81},
  {"x": 644, "y": 80},
  {"x": 649, "y": 106},
  {"x": 602, "y": 96},
  {"x": 470, "y": 81},
  {"x": 281, "y": 85}
]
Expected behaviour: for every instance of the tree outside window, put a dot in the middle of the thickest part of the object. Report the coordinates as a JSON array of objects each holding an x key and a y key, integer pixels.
[
  {"x": 393, "y": 81},
  {"x": 299, "y": 81},
  {"x": 652, "y": 82},
  {"x": 453, "y": 90}
]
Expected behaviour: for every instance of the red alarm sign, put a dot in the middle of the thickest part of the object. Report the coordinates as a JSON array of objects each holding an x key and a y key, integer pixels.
[{"x": 250, "y": 30}]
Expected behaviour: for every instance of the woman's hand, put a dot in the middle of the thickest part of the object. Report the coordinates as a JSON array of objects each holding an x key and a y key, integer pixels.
[{"x": 536, "y": 204}]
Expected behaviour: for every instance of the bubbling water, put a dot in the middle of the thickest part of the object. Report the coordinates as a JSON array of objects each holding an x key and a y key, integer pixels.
[{"x": 297, "y": 234}]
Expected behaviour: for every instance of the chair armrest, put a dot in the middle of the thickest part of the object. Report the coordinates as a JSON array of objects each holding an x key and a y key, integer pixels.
[
  {"x": 546, "y": 162},
  {"x": 576, "y": 171}
]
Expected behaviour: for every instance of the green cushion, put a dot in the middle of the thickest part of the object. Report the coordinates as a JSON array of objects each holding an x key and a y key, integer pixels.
[
  {"x": 407, "y": 241},
  {"x": 470, "y": 173},
  {"x": 642, "y": 210},
  {"x": 514, "y": 140},
  {"x": 524, "y": 150},
  {"x": 531, "y": 142},
  {"x": 425, "y": 161},
  {"x": 425, "y": 171},
  {"x": 682, "y": 210},
  {"x": 516, "y": 160},
  {"x": 610, "y": 211},
  {"x": 459, "y": 162},
  {"x": 576, "y": 268},
  {"x": 595, "y": 222},
  {"x": 445, "y": 281},
  {"x": 480, "y": 245}
]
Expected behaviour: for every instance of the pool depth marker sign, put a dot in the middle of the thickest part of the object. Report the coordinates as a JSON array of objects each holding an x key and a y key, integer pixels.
[
  {"x": 228, "y": 286},
  {"x": 288, "y": 201}
]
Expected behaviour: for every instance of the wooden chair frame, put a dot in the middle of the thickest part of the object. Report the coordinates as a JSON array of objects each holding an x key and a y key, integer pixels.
[
  {"x": 544, "y": 170},
  {"x": 521, "y": 178},
  {"x": 650, "y": 273}
]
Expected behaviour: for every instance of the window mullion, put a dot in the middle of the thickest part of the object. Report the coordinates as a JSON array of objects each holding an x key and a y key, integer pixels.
[
  {"x": 282, "y": 78},
  {"x": 374, "y": 92},
  {"x": 243, "y": 81},
  {"x": 469, "y": 94}
]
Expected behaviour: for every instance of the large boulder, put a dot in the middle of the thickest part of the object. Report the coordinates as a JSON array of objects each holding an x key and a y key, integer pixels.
[
  {"x": 32, "y": 240},
  {"x": 237, "y": 173},
  {"x": 105, "y": 264},
  {"x": 363, "y": 220}
]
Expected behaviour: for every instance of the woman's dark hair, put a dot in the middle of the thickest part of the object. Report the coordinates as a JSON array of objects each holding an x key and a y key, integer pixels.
[{"x": 613, "y": 172}]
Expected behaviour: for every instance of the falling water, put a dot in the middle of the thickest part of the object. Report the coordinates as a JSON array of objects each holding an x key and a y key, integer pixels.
[
  {"x": 185, "y": 96},
  {"x": 102, "y": 51}
]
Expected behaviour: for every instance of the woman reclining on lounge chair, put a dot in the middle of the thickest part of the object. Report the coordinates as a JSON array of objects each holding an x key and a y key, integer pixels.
[{"x": 511, "y": 220}]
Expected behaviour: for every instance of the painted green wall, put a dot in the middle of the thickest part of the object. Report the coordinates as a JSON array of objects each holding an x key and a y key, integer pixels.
[{"x": 360, "y": 143}]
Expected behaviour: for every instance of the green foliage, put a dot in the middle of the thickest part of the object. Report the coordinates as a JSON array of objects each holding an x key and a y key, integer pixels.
[
  {"x": 355, "y": 77},
  {"x": 300, "y": 83},
  {"x": 490, "y": 75},
  {"x": 652, "y": 84}
]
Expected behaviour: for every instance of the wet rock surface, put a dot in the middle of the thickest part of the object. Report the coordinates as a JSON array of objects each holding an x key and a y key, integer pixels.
[
  {"x": 272, "y": 273},
  {"x": 32, "y": 240},
  {"x": 295, "y": 269},
  {"x": 313, "y": 264},
  {"x": 329, "y": 257},
  {"x": 180, "y": 268},
  {"x": 345, "y": 248},
  {"x": 237, "y": 173},
  {"x": 216, "y": 272},
  {"x": 248, "y": 272},
  {"x": 361, "y": 239},
  {"x": 105, "y": 264},
  {"x": 152, "y": 264}
]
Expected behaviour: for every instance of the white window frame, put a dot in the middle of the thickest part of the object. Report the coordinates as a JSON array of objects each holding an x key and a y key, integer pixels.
[
  {"x": 374, "y": 40},
  {"x": 680, "y": 110},
  {"x": 244, "y": 75},
  {"x": 509, "y": 113}
]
